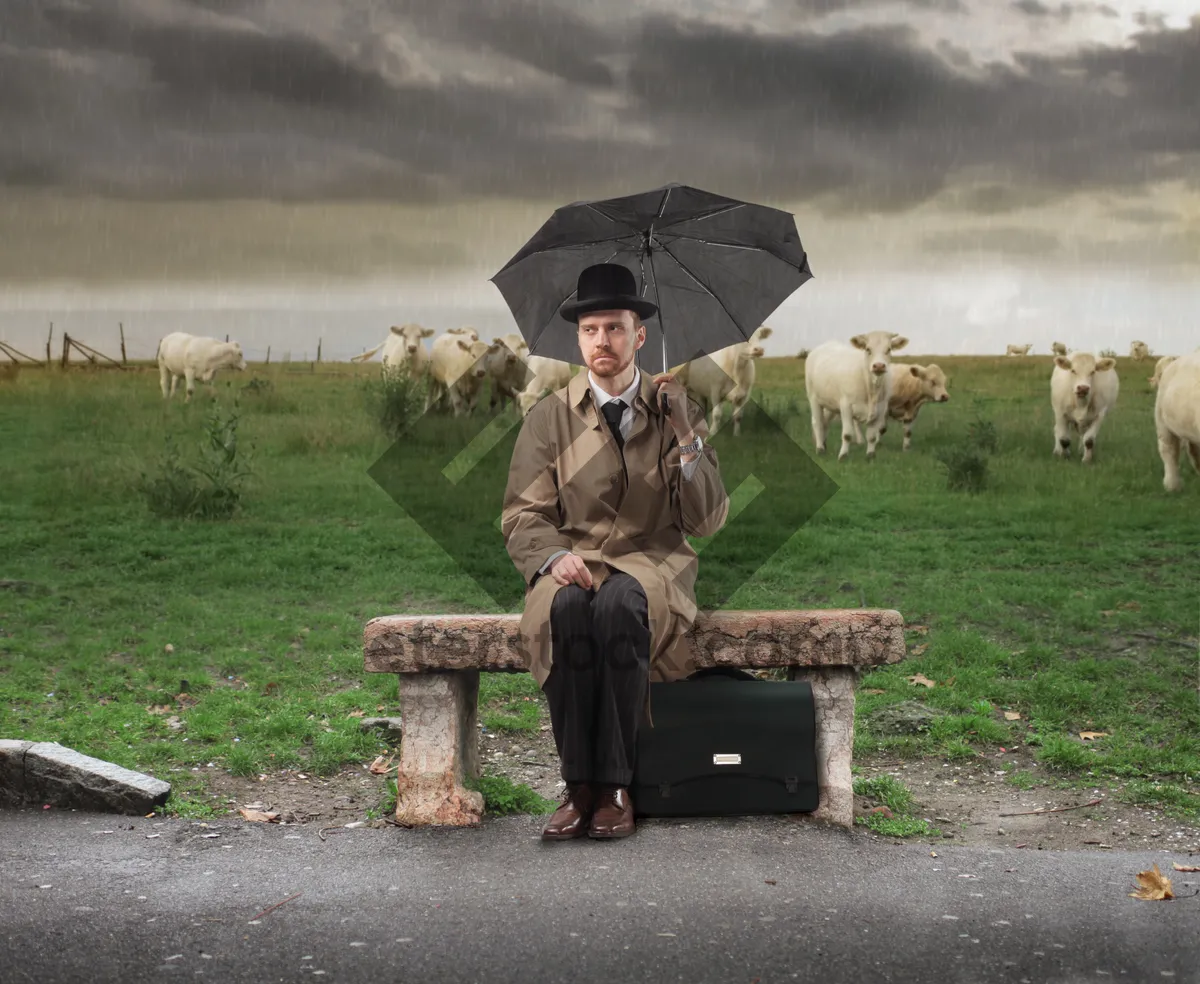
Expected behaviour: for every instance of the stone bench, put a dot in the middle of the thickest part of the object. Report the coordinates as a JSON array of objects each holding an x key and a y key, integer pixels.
[{"x": 439, "y": 657}]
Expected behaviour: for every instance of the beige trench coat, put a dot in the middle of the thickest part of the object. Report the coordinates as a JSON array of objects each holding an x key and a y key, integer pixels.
[{"x": 567, "y": 490}]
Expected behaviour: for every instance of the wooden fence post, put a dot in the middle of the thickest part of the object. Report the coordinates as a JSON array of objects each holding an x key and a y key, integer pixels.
[
  {"x": 318, "y": 350},
  {"x": 66, "y": 349},
  {"x": 268, "y": 355},
  {"x": 121, "y": 324},
  {"x": 48, "y": 340}
]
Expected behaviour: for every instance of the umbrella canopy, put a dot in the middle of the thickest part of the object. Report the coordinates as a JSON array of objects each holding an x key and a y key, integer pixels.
[{"x": 716, "y": 267}]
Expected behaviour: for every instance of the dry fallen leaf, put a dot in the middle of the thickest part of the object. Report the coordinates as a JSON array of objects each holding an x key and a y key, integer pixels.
[
  {"x": 769, "y": 881},
  {"x": 160, "y": 709},
  {"x": 355, "y": 714},
  {"x": 258, "y": 816},
  {"x": 1012, "y": 716},
  {"x": 1107, "y": 612},
  {"x": 1090, "y": 735},
  {"x": 920, "y": 650},
  {"x": 380, "y": 767},
  {"x": 1185, "y": 867},
  {"x": 874, "y": 690},
  {"x": 1153, "y": 886},
  {"x": 919, "y": 629},
  {"x": 922, "y": 681},
  {"x": 1131, "y": 606}
]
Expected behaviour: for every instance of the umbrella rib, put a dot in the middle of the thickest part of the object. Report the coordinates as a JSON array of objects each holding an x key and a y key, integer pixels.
[
  {"x": 683, "y": 266},
  {"x": 711, "y": 215},
  {"x": 628, "y": 225},
  {"x": 565, "y": 296},
  {"x": 582, "y": 245}
]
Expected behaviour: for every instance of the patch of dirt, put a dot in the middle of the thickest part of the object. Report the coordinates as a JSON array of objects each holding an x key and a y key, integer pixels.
[
  {"x": 965, "y": 800},
  {"x": 297, "y": 796}
]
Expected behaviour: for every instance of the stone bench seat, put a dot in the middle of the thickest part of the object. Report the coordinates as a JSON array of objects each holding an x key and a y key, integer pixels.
[{"x": 438, "y": 659}]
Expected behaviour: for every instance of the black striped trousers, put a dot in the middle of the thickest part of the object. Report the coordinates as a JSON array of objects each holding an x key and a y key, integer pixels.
[{"x": 599, "y": 674}]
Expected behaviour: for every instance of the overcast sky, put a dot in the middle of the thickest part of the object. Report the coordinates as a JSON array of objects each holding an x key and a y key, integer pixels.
[{"x": 989, "y": 147}]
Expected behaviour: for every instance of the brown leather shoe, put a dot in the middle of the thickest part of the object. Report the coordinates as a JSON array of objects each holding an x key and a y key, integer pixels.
[
  {"x": 571, "y": 819},
  {"x": 613, "y": 816}
]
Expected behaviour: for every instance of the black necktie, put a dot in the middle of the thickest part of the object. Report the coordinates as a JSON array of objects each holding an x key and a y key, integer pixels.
[{"x": 612, "y": 411}]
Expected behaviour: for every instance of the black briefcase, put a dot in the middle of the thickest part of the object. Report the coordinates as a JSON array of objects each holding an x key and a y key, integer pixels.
[{"x": 725, "y": 743}]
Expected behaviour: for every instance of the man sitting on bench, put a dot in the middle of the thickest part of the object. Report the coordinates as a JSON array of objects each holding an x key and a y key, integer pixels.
[{"x": 604, "y": 487}]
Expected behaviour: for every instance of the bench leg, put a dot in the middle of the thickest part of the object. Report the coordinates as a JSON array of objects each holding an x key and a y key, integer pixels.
[
  {"x": 439, "y": 746},
  {"x": 833, "y": 698}
]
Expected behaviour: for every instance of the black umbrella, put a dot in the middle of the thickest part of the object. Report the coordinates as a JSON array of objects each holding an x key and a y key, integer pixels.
[{"x": 716, "y": 267}]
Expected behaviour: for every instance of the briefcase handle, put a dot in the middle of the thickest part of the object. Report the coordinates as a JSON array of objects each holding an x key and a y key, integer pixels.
[{"x": 727, "y": 672}]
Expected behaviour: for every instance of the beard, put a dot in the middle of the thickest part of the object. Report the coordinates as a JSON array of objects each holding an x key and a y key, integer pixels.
[{"x": 606, "y": 369}]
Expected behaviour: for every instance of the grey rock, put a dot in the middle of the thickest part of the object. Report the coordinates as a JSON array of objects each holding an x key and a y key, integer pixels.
[
  {"x": 64, "y": 777},
  {"x": 12, "y": 771},
  {"x": 390, "y": 727}
]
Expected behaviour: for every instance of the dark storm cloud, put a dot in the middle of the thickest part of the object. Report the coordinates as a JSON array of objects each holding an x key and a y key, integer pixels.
[
  {"x": 198, "y": 101},
  {"x": 540, "y": 34}
]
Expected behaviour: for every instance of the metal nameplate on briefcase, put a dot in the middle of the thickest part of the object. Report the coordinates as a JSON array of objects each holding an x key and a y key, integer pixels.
[{"x": 725, "y": 743}]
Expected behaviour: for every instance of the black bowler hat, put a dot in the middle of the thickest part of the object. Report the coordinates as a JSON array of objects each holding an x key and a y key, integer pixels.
[{"x": 605, "y": 287}]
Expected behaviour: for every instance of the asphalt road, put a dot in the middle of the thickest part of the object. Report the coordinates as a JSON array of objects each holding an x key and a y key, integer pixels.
[{"x": 98, "y": 898}]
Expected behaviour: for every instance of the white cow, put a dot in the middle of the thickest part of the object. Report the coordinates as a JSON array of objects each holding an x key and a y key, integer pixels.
[
  {"x": 1083, "y": 391},
  {"x": 727, "y": 374},
  {"x": 456, "y": 371},
  {"x": 852, "y": 381},
  {"x": 193, "y": 357},
  {"x": 1139, "y": 351},
  {"x": 1159, "y": 366},
  {"x": 545, "y": 376},
  {"x": 402, "y": 349},
  {"x": 1018, "y": 349},
  {"x": 1058, "y": 348},
  {"x": 913, "y": 386},
  {"x": 1177, "y": 416},
  {"x": 506, "y": 369}
]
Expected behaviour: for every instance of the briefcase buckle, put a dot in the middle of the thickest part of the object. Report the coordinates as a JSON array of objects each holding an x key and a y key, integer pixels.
[
  {"x": 664, "y": 790},
  {"x": 792, "y": 783}
]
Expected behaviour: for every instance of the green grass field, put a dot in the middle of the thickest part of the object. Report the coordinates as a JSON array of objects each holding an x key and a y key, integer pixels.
[{"x": 1066, "y": 594}]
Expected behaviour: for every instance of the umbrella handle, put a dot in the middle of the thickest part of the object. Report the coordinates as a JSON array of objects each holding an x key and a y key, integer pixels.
[{"x": 666, "y": 404}]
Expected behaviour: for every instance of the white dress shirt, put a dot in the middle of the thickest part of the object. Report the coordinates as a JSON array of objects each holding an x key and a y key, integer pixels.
[{"x": 627, "y": 417}]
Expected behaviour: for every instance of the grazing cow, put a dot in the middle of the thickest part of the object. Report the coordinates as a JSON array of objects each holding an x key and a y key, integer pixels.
[
  {"x": 545, "y": 376},
  {"x": 402, "y": 349},
  {"x": 506, "y": 369},
  {"x": 1058, "y": 348},
  {"x": 727, "y": 374},
  {"x": 193, "y": 357},
  {"x": 1159, "y": 366},
  {"x": 913, "y": 386},
  {"x": 456, "y": 370},
  {"x": 1018, "y": 349},
  {"x": 1139, "y": 351},
  {"x": 1177, "y": 416},
  {"x": 1083, "y": 390},
  {"x": 852, "y": 381}
]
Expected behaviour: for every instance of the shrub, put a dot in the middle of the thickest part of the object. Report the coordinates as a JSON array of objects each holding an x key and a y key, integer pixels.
[
  {"x": 395, "y": 399},
  {"x": 210, "y": 487},
  {"x": 966, "y": 468},
  {"x": 966, "y": 462}
]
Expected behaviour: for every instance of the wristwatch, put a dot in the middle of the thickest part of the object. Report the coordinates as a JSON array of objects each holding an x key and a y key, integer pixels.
[{"x": 696, "y": 445}]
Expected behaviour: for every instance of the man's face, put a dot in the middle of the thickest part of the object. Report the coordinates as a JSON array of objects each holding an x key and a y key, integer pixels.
[{"x": 609, "y": 339}]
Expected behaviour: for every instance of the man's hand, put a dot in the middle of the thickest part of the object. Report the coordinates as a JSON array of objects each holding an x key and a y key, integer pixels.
[
  {"x": 570, "y": 569},
  {"x": 677, "y": 394}
]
